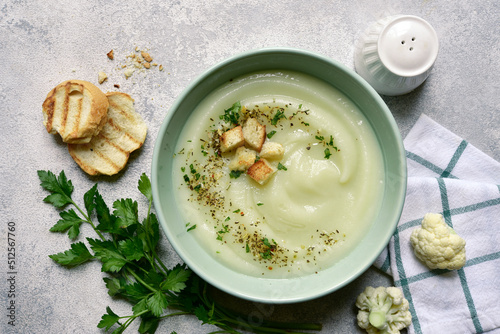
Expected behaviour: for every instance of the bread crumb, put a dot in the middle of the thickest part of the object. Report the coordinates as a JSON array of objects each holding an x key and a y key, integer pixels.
[
  {"x": 128, "y": 72},
  {"x": 161, "y": 68},
  {"x": 147, "y": 65},
  {"x": 146, "y": 56},
  {"x": 101, "y": 77},
  {"x": 111, "y": 55}
]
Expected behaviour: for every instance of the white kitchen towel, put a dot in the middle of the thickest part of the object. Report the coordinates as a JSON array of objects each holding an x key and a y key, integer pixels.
[{"x": 447, "y": 175}]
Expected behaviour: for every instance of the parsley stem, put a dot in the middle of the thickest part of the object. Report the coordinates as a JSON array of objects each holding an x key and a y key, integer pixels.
[
  {"x": 88, "y": 220},
  {"x": 146, "y": 285}
]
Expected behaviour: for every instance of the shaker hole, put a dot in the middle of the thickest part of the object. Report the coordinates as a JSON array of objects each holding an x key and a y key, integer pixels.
[
  {"x": 413, "y": 39},
  {"x": 403, "y": 42},
  {"x": 411, "y": 48}
]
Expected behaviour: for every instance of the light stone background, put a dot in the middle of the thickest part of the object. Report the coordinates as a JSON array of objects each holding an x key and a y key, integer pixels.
[{"x": 46, "y": 42}]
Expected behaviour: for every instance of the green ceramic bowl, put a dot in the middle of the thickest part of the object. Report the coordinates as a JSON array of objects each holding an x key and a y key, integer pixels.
[{"x": 272, "y": 290}]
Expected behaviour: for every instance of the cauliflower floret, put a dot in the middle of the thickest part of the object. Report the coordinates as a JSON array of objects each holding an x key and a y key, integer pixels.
[
  {"x": 383, "y": 310},
  {"x": 437, "y": 245}
]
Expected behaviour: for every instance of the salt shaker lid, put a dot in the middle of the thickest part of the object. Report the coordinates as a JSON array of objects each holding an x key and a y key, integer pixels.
[
  {"x": 396, "y": 54},
  {"x": 408, "y": 46}
]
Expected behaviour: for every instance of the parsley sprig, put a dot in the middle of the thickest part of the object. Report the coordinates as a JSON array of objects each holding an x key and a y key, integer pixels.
[{"x": 127, "y": 250}]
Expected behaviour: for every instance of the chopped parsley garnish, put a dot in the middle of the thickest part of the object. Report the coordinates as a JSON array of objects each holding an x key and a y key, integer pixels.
[
  {"x": 281, "y": 167},
  {"x": 320, "y": 138},
  {"x": 271, "y": 134},
  {"x": 234, "y": 174},
  {"x": 327, "y": 153},
  {"x": 225, "y": 229},
  {"x": 267, "y": 254},
  {"x": 190, "y": 228},
  {"x": 232, "y": 115},
  {"x": 191, "y": 167},
  {"x": 279, "y": 115},
  {"x": 260, "y": 204}
]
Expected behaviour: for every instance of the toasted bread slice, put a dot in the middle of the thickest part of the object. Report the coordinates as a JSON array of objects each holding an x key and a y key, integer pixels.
[
  {"x": 108, "y": 152},
  {"x": 76, "y": 110}
]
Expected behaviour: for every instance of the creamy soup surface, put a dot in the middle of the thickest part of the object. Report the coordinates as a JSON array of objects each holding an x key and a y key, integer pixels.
[{"x": 313, "y": 209}]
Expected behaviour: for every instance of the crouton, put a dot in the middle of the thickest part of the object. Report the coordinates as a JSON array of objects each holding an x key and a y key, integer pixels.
[
  {"x": 243, "y": 159},
  {"x": 254, "y": 134},
  {"x": 272, "y": 150},
  {"x": 232, "y": 139},
  {"x": 261, "y": 171}
]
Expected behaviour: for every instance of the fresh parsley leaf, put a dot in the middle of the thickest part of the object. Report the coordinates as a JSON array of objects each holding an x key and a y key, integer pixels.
[
  {"x": 88, "y": 199},
  {"x": 157, "y": 303},
  {"x": 176, "y": 279},
  {"x": 132, "y": 249},
  {"x": 108, "y": 320},
  {"x": 73, "y": 257},
  {"x": 150, "y": 233},
  {"x": 202, "y": 314},
  {"x": 115, "y": 285},
  {"x": 108, "y": 254},
  {"x": 144, "y": 187},
  {"x": 70, "y": 221},
  {"x": 127, "y": 212},
  {"x": 60, "y": 188},
  {"x": 135, "y": 292},
  {"x": 140, "y": 306},
  {"x": 107, "y": 222},
  {"x": 149, "y": 324}
]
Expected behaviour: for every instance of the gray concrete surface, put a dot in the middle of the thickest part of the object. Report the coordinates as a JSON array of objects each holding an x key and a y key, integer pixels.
[{"x": 46, "y": 42}]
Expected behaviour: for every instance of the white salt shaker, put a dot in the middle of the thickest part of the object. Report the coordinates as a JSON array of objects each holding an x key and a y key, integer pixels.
[{"x": 396, "y": 54}]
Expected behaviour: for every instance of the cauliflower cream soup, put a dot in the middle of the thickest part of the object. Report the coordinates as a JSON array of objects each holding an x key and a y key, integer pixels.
[{"x": 294, "y": 206}]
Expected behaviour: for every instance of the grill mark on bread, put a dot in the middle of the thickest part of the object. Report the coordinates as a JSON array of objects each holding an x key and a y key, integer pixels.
[
  {"x": 107, "y": 159},
  {"x": 65, "y": 109},
  {"x": 120, "y": 129},
  {"x": 78, "y": 116},
  {"x": 111, "y": 143},
  {"x": 86, "y": 167}
]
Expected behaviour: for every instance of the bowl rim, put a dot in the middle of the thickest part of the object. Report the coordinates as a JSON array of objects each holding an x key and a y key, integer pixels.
[{"x": 370, "y": 258}]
